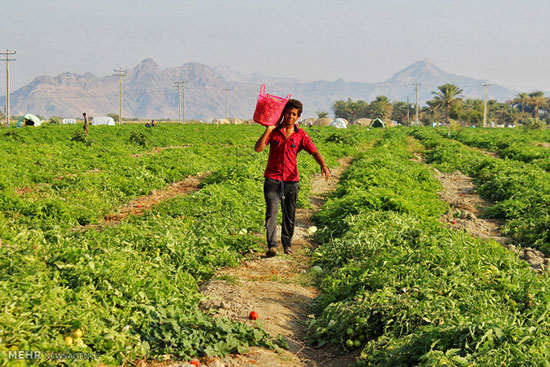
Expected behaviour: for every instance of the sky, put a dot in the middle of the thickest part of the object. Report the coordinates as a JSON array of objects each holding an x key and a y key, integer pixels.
[{"x": 502, "y": 41}]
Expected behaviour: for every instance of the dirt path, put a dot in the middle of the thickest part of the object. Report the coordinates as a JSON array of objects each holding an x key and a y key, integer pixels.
[
  {"x": 467, "y": 213},
  {"x": 143, "y": 203},
  {"x": 278, "y": 290},
  {"x": 467, "y": 207}
]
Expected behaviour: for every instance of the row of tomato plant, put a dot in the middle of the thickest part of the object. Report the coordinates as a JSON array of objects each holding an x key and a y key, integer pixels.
[
  {"x": 529, "y": 146},
  {"x": 133, "y": 288},
  {"x": 405, "y": 289},
  {"x": 521, "y": 192}
]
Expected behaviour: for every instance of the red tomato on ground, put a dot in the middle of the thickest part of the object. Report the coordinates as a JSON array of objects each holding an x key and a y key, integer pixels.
[
  {"x": 253, "y": 315},
  {"x": 195, "y": 363}
]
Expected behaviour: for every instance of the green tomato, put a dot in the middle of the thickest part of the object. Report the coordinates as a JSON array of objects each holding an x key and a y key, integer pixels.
[
  {"x": 349, "y": 331},
  {"x": 349, "y": 344},
  {"x": 356, "y": 343},
  {"x": 316, "y": 270}
]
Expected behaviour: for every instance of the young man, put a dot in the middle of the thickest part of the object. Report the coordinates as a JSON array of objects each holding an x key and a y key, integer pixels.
[{"x": 281, "y": 183}]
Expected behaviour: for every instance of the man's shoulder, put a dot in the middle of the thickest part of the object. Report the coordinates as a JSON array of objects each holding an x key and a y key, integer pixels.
[{"x": 302, "y": 132}]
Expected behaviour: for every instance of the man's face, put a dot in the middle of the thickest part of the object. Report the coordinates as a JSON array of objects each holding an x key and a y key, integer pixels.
[{"x": 291, "y": 115}]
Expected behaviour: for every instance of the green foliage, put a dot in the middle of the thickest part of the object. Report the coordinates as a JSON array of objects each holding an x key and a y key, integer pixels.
[
  {"x": 522, "y": 191},
  {"x": 138, "y": 138},
  {"x": 350, "y": 110},
  {"x": 132, "y": 287},
  {"x": 380, "y": 108},
  {"x": 534, "y": 124},
  {"x": 410, "y": 290},
  {"x": 343, "y": 137},
  {"x": 81, "y": 137},
  {"x": 446, "y": 96}
]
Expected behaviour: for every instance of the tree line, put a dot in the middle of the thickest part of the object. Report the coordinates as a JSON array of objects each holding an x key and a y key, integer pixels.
[{"x": 449, "y": 105}]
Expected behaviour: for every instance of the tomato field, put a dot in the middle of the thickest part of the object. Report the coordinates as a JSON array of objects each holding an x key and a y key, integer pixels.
[{"x": 396, "y": 283}]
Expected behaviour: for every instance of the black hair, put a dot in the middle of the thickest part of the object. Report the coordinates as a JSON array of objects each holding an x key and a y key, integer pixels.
[{"x": 294, "y": 103}]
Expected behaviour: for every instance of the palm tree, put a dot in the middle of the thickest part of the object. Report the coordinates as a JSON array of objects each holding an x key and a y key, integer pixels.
[
  {"x": 381, "y": 107},
  {"x": 536, "y": 102},
  {"x": 521, "y": 100},
  {"x": 447, "y": 95}
]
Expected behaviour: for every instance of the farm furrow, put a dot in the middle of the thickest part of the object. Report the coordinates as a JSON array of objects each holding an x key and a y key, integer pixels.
[
  {"x": 468, "y": 213},
  {"x": 277, "y": 289},
  {"x": 521, "y": 192},
  {"x": 140, "y": 205},
  {"x": 527, "y": 146}
]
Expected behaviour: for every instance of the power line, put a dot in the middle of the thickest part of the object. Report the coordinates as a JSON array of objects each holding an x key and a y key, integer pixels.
[
  {"x": 122, "y": 73},
  {"x": 7, "y": 60}
]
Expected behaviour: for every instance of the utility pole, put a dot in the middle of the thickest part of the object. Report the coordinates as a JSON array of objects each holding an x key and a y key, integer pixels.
[
  {"x": 181, "y": 100},
  {"x": 408, "y": 117},
  {"x": 177, "y": 85},
  {"x": 417, "y": 121},
  {"x": 122, "y": 73},
  {"x": 226, "y": 90},
  {"x": 485, "y": 105},
  {"x": 7, "y": 60}
]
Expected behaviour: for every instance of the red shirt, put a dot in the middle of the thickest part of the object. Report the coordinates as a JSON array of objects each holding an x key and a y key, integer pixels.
[{"x": 281, "y": 164}]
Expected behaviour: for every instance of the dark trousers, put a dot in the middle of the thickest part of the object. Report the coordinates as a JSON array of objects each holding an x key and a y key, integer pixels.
[{"x": 276, "y": 191}]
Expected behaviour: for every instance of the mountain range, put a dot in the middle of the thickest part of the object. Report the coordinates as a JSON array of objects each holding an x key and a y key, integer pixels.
[{"x": 149, "y": 91}]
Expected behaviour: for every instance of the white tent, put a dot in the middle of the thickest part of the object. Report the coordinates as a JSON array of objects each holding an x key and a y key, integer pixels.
[
  {"x": 103, "y": 121},
  {"x": 68, "y": 121},
  {"x": 339, "y": 123},
  {"x": 28, "y": 120}
]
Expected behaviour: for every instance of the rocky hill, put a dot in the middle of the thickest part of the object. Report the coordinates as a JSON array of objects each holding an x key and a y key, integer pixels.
[{"x": 149, "y": 91}]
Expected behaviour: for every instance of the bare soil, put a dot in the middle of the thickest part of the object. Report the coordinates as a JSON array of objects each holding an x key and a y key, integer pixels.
[{"x": 467, "y": 207}]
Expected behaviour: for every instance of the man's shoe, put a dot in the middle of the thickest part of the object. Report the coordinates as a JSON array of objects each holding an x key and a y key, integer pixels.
[
  {"x": 288, "y": 250},
  {"x": 271, "y": 252}
]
